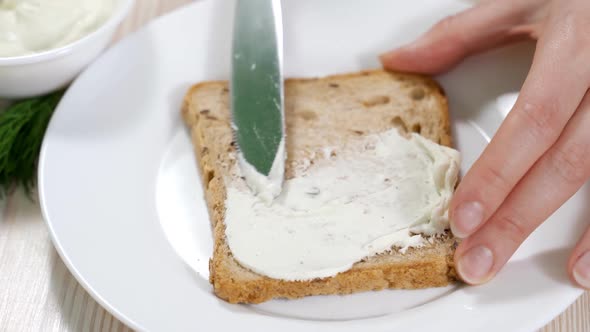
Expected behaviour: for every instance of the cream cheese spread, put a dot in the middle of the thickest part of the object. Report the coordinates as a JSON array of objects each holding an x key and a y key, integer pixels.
[
  {"x": 265, "y": 187},
  {"x": 378, "y": 193},
  {"x": 31, "y": 26}
]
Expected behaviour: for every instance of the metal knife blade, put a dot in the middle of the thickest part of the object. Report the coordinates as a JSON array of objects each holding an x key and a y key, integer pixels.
[{"x": 257, "y": 94}]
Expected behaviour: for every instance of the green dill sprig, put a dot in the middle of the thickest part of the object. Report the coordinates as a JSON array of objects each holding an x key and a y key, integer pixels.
[{"x": 22, "y": 127}]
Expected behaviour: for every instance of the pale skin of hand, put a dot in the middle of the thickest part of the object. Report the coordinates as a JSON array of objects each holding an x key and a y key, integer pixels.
[{"x": 540, "y": 155}]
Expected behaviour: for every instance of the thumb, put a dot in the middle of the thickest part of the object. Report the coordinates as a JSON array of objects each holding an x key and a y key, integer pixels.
[{"x": 488, "y": 25}]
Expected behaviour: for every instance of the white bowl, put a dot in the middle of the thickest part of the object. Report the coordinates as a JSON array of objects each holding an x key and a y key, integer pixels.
[{"x": 44, "y": 72}]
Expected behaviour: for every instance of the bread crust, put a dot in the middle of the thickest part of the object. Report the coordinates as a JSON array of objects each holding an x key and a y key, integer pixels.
[{"x": 409, "y": 102}]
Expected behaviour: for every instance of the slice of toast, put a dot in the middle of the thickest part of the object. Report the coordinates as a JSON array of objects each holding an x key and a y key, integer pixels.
[{"x": 322, "y": 113}]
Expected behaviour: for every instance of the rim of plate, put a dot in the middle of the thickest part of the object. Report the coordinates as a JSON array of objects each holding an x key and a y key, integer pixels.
[{"x": 41, "y": 192}]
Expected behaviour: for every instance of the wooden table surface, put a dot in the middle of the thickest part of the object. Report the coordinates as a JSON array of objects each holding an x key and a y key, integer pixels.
[{"x": 38, "y": 293}]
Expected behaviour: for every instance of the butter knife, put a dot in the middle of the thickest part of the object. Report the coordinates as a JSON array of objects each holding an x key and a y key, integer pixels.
[{"x": 257, "y": 97}]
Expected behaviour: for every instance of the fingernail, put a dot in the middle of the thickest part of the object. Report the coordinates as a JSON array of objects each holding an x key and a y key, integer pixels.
[
  {"x": 393, "y": 54},
  {"x": 475, "y": 265},
  {"x": 386, "y": 57},
  {"x": 467, "y": 217},
  {"x": 582, "y": 270}
]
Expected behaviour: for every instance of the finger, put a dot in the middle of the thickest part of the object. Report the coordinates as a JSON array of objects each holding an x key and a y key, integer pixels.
[
  {"x": 552, "y": 180},
  {"x": 579, "y": 263},
  {"x": 550, "y": 95},
  {"x": 485, "y": 26}
]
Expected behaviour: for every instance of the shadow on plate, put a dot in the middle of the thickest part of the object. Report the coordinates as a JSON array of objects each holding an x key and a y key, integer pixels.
[{"x": 358, "y": 306}]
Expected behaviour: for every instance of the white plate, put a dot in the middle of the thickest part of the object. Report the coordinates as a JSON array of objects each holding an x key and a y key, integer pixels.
[{"x": 121, "y": 196}]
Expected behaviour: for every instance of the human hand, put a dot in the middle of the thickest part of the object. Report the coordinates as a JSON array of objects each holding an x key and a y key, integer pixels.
[{"x": 540, "y": 155}]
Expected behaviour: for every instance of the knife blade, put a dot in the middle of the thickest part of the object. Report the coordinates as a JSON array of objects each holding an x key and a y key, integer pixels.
[{"x": 257, "y": 97}]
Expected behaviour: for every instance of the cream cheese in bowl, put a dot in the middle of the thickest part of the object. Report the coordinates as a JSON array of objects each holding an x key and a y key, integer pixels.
[
  {"x": 32, "y": 26},
  {"x": 45, "y": 44}
]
